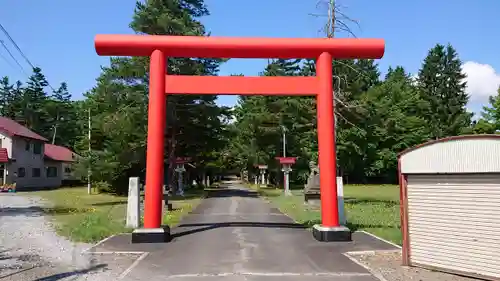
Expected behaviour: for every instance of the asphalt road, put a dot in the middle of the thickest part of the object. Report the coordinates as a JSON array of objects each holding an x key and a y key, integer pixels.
[{"x": 234, "y": 235}]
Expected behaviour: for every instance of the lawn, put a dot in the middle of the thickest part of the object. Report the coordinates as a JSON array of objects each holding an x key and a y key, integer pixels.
[
  {"x": 372, "y": 208},
  {"x": 90, "y": 218}
]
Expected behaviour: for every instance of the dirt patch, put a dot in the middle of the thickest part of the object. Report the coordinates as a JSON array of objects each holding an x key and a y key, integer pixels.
[{"x": 388, "y": 266}]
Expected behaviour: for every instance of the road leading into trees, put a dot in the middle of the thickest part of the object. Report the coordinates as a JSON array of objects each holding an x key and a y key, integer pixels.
[{"x": 234, "y": 235}]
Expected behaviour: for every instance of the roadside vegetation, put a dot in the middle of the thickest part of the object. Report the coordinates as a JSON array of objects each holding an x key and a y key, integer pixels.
[
  {"x": 89, "y": 218},
  {"x": 372, "y": 208}
]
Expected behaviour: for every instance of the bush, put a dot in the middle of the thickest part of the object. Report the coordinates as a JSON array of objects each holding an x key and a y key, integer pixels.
[{"x": 103, "y": 186}]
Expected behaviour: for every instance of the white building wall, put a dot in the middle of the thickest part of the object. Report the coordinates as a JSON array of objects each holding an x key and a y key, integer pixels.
[
  {"x": 454, "y": 222},
  {"x": 6, "y": 142},
  {"x": 467, "y": 155}
]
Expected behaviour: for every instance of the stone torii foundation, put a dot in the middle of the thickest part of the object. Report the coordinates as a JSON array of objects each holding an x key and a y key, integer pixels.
[{"x": 158, "y": 48}]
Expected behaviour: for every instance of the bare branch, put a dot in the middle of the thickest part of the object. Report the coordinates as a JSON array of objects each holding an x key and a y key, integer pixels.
[
  {"x": 345, "y": 119},
  {"x": 337, "y": 20}
]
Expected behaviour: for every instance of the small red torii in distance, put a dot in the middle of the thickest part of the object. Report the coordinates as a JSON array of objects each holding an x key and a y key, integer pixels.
[{"x": 159, "y": 47}]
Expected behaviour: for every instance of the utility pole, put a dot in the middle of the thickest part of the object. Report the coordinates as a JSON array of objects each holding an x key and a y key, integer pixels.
[
  {"x": 330, "y": 33},
  {"x": 89, "y": 171},
  {"x": 330, "y": 25},
  {"x": 58, "y": 118},
  {"x": 54, "y": 135},
  {"x": 55, "y": 128}
]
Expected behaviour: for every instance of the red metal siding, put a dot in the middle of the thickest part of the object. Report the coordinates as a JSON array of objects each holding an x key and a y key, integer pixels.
[{"x": 4, "y": 156}]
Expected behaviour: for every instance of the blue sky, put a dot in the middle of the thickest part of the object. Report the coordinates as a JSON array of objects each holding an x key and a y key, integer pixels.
[{"x": 58, "y": 35}]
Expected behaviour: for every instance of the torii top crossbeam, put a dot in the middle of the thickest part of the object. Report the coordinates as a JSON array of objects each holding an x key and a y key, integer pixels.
[{"x": 234, "y": 47}]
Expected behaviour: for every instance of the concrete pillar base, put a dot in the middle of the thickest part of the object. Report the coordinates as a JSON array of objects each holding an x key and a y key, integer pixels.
[
  {"x": 331, "y": 234},
  {"x": 151, "y": 235}
]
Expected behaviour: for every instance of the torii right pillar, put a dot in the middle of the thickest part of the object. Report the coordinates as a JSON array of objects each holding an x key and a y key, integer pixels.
[{"x": 330, "y": 229}]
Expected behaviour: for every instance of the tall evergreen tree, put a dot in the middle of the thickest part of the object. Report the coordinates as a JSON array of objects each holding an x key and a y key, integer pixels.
[
  {"x": 6, "y": 96},
  {"x": 397, "y": 74},
  {"x": 119, "y": 101},
  {"x": 13, "y": 102},
  {"x": 62, "y": 116},
  {"x": 31, "y": 107},
  {"x": 489, "y": 122},
  {"x": 442, "y": 86}
]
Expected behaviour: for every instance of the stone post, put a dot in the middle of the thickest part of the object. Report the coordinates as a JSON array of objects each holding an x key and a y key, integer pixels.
[
  {"x": 340, "y": 201},
  {"x": 133, "y": 203},
  {"x": 180, "y": 182},
  {"x": 286, "y": 178}
]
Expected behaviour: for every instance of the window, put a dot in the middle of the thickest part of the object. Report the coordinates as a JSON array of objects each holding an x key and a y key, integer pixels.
[
  {"x": 21, "y": 172},
  {"x": 36, "y": 172},
  {"x": 27, "y": 146},
  {"x": 67, "y": 170},
  {"x": 52, "y": 172},
  {"x": 37, "y": 148},
  {"x": 1, "y": 142}
]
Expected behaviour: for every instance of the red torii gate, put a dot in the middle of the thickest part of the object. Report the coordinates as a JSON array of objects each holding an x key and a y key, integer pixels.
[{"x": 158, "y": 48}]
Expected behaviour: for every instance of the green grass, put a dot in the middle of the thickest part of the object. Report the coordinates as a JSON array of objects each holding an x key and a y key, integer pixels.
[
  {"x": 372, "y": 208},
  {"x": 90, "y": 218}
]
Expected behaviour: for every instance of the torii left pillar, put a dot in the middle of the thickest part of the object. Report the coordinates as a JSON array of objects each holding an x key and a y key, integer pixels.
[{"x": 157, "y": 108}]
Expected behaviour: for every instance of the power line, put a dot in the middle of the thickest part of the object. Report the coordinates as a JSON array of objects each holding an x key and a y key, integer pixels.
[
  {"x": 16, "y": 46},
  {"x": 14, "y": 58},
  {"x": 6, "y": 60},
  {"x": 20, "y": 52}
]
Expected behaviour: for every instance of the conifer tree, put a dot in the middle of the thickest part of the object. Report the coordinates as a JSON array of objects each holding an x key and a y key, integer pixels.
[{"x": 441, "y": 84}]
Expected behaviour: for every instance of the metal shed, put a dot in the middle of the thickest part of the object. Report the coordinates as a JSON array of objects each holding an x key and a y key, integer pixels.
[{"x": 450, "y": 205}]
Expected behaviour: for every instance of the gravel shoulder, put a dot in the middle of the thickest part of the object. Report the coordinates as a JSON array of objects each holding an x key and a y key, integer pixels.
[
  {"x": 388, "y": 266},
  {"x": 31, "y": 250}
]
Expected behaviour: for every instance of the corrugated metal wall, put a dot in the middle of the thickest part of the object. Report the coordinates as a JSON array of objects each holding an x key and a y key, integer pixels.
[
  {"x": 469, "y": 155},
  {"x": 454, "y": 220}
]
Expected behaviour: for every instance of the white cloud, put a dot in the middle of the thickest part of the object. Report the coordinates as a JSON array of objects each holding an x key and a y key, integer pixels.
[
  {"x": 414, "y": 79},
  {"x": 482, "y": 81}
]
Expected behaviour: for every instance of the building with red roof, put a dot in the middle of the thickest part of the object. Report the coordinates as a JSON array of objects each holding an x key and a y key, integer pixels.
[
  {"x": 60, "y": 155},
  {"x": 27, "y": 160}
]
